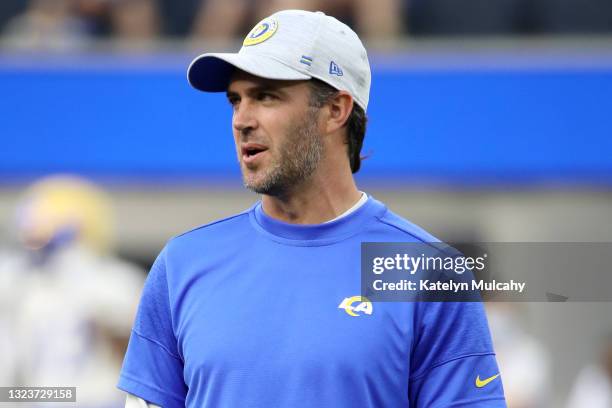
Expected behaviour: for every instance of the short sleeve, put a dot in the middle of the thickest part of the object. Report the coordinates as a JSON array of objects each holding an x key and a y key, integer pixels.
[
  {"x": 152, "y": 367},
  {"x": 453, "y": 363}
]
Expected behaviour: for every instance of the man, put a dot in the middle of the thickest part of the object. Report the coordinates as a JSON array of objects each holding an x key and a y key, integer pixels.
[{"x": 256, "y": 310}]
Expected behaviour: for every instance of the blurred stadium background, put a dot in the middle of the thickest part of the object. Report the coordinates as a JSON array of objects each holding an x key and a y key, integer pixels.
[{"x": 490, "y": 121}]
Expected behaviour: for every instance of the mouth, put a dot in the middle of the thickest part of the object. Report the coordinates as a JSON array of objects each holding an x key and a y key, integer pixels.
[{"x": 252, "y": 151}]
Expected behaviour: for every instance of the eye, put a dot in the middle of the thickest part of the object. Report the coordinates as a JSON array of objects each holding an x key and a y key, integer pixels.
[
  {"x": 233, "y": 100},
  {"x": 265, "y": 96}
]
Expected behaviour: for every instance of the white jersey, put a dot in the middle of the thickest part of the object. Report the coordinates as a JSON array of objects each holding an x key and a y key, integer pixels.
[{"x": 73, "y": 309}]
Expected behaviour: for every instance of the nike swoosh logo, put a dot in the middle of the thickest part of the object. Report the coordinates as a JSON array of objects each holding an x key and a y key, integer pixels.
[{"x": 481, "y": 383}]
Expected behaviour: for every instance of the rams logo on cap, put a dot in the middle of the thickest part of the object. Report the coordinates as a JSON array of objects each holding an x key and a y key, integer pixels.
[{"x": 261, "y": 32}]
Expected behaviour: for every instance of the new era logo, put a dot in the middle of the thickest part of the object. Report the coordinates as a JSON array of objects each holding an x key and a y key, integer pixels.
[{"x": 334, "y": 69}]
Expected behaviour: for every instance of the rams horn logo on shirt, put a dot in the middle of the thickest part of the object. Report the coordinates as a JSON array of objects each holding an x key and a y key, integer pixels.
[
  {"x": 261, "y": 32},
  {"x": 364, "y": 306}
]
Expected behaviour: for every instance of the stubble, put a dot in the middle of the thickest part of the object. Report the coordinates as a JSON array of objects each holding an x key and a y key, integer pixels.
[{"x": 296, "y": 159}]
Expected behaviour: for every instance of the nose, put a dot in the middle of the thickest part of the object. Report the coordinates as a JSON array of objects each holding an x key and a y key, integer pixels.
[{"x": 243, "y": 119}]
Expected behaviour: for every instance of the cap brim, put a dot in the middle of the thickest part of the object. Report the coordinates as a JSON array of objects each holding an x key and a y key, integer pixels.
[{"x": 211, "y": 72}]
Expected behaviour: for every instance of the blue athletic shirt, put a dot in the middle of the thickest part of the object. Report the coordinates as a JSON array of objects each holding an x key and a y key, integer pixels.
[{"x": 244, "y": 312}]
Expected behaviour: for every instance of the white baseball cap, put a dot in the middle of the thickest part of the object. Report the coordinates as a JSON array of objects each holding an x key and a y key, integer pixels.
[{"x": 292, "y": 45}]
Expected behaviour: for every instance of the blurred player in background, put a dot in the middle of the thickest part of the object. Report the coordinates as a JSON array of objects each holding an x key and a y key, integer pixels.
[
  {"x": 593, "y": 386},
  {"x": 262, "y": 309},
  {"x": 70, "y": 302}
]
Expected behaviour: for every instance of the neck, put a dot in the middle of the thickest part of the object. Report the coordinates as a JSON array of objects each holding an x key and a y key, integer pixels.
[{"x": 329, "y": 192}]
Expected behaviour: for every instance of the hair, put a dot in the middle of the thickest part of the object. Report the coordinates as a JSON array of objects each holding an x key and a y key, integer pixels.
[{"x": 320, "y": 94}]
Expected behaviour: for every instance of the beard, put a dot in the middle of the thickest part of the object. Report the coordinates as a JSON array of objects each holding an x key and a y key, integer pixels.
[{"x": 295, "y": 160}]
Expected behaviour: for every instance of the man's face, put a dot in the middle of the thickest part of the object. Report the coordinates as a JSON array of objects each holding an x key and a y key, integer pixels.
[{"x": 275, "y": 131}]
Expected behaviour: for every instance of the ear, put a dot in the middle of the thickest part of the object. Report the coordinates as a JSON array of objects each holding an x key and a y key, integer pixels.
[{"x": 339, "y": 109}]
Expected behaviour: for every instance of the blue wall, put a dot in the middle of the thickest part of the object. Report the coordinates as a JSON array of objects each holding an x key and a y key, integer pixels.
[{"x": 138, "y": 119}]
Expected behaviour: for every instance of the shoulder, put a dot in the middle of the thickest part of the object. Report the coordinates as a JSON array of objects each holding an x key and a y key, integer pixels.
[
  {"x": 193, "y": 251},
  {"x": 213, "y": 239},
  {"x": 219, "y": 225},
  {"x": 400, "y": 228},
  {"x": 229, "y": 231}
]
